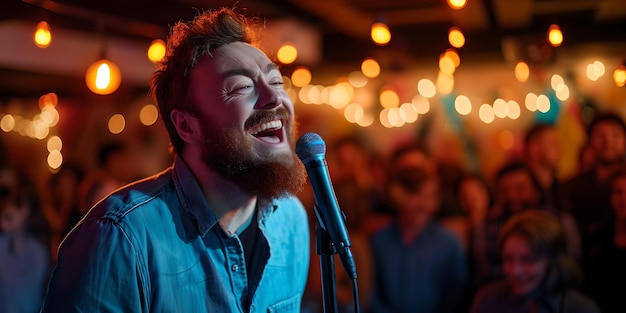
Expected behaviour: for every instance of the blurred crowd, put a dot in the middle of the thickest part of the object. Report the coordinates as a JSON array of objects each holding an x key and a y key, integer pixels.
[
  {"x": 427, "y": 236},
  {"x": 430, "y": 236}
]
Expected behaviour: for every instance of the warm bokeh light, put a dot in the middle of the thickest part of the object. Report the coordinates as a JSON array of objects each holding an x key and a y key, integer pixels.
[
  {"x": 367, "y": 120},
  {"x": 55, "y": 159},
  {"x": 555, "y": 36},
  {"x": 49, "y": 115},
  {"x": 456, "y": 37},
  {"x": 409, "y": 112},
  {"x": 42, "y": 37},
  {"x": 287, "y": 54},
  {"x": 389, "y": 98},
  {"x": 357, "y": 79},
  {"x": 619, "y": 76},
  {"x": 396, "y": 117},
  {"x": 370, "y": 68},
  {"x": 301, "y": 76},
  {"x": 485, "y": 113},
  {"x": 49, "y": 99},
  {"x": 340, "y": 95},
  {"x": 543, "y": 103},
  {"x": 500, "y": 108},
  {"x": 156, "y": 51},
  {"x": 555, "y": 81},
  {"x": 595, "y": 70},
  {"x": 531, "y": 102},
  {"x": 463, "y": 105},
  {"x": 117, "y": 123},
  {"x": 54, "y": 143},
  {"x": 426, "y": 88},
  {"x": 148, "y": 114},
  {"x": 445, "y": 83},
  {"x": 7, "y": 123},
  {"x": 454, "y": 56},
  {"x": 353, "y": 112},
  {"x": 457, "y": 4},
  {"x": 562, "y": 92},
  {"x": 446, "y": 65},
  {"x": 513, "y": 109},
  {"x": 383, "y": 117},
  {"x": 421, "y": 104},
  {"x": 522, "y": 71},
  {"x": 380, "y": 34},
  {"x": 103, "y": 77}
]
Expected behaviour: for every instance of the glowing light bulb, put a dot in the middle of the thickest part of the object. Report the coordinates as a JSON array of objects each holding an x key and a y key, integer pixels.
[
  {"x": 380, "y": 34},
  {"x": 555, "y": 36},
  {"x": 457, "y": 4},
  {"x": 42, "y": 37},
  {"x": 103, "y": 77},
  {"x": 456, "y": 37},
  {"x": 156, "y": 51},
  {"x": 287, "y": 54},
  {"x": 522, "y": 71}
]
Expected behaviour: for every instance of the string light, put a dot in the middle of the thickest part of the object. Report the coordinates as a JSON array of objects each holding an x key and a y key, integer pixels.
[
  {"x": 457, "y": 4},
  {"x": 43, "y": 36},
  {"x": 456, "y": 37},
  {"x": 156, "y": 51},
  {"x": 103, "y": 77},
  {"x": 287, "y": 54},
  {"x": 380, "y": 34},
  {"x": 555, "y": 36}
]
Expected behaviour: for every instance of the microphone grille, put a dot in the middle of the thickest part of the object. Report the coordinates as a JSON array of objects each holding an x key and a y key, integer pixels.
[{"x": 310, "y": 145}]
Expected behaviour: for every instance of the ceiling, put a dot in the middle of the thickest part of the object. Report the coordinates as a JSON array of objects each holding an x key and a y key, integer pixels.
[{"x": 419, "y": 27}]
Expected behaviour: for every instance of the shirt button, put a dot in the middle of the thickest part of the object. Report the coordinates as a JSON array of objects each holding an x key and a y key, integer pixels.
[{"x": 234, "y": 268}]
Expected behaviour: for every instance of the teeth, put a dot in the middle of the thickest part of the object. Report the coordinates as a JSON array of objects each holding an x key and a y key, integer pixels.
[{"x": 265, "y": 126}]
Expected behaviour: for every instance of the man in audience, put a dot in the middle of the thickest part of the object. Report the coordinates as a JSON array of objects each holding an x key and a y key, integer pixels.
[{"x": 587, "y": 195}]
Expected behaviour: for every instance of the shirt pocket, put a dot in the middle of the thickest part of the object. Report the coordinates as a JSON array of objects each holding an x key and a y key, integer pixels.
[{"x": 290, "y": 305}]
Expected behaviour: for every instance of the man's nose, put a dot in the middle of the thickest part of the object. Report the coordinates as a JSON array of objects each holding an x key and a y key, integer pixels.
[{"x": 269, "y": 97}]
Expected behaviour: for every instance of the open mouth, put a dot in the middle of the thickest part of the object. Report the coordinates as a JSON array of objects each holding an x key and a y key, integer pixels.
[{"x": 270, "y": 132}]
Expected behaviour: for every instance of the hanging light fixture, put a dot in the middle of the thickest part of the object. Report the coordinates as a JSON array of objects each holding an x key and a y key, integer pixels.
[
  {"x": 103, "y": 77},
  {"x": 42, "y": 37},
  {"x": 156, "y": 51},
  {"x": 555, "y": 36},
  {"x": 380, "y": 33}
]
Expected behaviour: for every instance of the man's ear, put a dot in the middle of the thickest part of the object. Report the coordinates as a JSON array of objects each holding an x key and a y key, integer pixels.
[{"x": 186, "y": 124}]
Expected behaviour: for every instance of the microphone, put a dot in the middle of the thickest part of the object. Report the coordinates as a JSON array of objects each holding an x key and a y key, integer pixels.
[{"x": 311, "y": 149}]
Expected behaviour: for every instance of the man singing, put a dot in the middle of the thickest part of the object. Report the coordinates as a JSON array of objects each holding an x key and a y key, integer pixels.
[{"x": 219, "y": 231}]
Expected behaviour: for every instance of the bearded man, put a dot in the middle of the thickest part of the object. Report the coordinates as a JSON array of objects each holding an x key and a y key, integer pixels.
[{"x": 219, "y": 231}]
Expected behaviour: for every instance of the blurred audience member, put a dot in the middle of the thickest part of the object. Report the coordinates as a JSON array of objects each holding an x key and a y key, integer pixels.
[
  {"x": 540, "y": 276},
  {"x": 605, "y": 268},
  {"x": 516, "y": 190},
  {"x": 419, "y": 264},
  {"x": 587, "y": 196},
  {"x": 117, "y": 168},
  {"x": 542, "y": 155},
  {"x": 62, "y": 209},
  {"x": 351, "y": 170},
  {"x": 586, "y": 159},
  {"x": 475, "y": 198},
  {"x": 15, "y": 185},
  {"x": 24, "y": 260}
]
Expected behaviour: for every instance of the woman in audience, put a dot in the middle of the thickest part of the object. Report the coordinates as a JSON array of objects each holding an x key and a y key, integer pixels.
[{"x": 540, "y": 275}]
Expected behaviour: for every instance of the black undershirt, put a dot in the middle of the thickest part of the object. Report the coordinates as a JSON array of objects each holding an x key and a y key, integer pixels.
[{"x": 256, "y": 253}]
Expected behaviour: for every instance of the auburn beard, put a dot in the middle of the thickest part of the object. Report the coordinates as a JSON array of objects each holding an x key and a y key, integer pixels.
[{"x": 230, "y": 153}]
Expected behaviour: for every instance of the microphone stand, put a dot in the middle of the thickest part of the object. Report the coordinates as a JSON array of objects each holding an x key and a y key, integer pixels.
[{"x": 326, "y": 250}]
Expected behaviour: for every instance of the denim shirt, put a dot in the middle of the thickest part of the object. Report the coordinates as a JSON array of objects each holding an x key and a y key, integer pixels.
[{"x": 156, "y": 246}]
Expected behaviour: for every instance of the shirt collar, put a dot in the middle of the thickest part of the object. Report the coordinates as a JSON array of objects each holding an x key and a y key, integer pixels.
[
  {"x": 194, "y": 203},
  {"x": 192, "y": 197}
]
